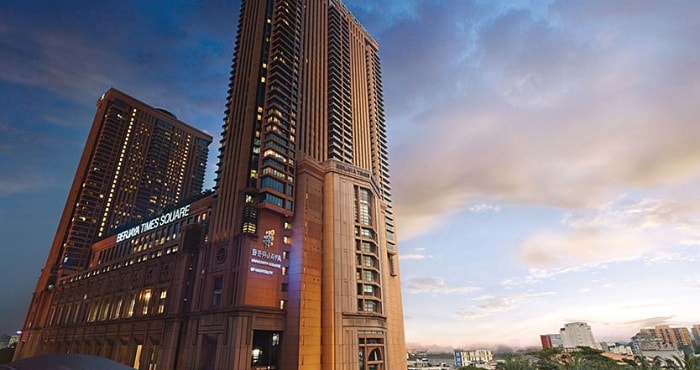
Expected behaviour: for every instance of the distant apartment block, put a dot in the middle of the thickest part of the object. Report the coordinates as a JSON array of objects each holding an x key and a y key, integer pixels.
[
  {"x": 647, "y": 345},
  {"x": 577, "y": 334},
  {"x": 617, "y": 348},
  {"x": 696, "y": 333},
  {"x": 677, "y": 337}
]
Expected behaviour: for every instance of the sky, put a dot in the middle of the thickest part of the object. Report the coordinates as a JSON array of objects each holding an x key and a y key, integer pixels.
[{"x": 544, "y": 154}]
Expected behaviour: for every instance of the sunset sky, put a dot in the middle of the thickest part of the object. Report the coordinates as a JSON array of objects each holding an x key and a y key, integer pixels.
[{"x": 545, "y": 155}]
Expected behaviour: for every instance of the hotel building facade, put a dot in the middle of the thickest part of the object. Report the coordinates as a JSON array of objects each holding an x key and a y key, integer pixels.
[
  {"x": 292, "y": 263},
  {"x": 137, "y": 162}
]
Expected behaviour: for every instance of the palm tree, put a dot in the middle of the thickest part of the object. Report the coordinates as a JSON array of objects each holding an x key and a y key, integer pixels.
[
  {"x": 688, "y": 362},
  {"x": 657, "y": 363},
  {"x": 640, "y": 362}
]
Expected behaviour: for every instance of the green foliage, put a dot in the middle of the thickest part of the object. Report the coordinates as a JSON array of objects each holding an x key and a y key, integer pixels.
[
  {"x": 687, "y": 362},
  {"x": 515, "y": 364},
  {"x": 584, "y": 358}
]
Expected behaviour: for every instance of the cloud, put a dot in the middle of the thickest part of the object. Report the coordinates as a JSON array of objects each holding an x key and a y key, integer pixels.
[
  {"x": 624, "y": 229},
  {"x": 11, "y": 186},
  {"x": 536, "y": 275},
  {"x": 542, "y": 106},
  {"x": 81, "y": 60},
  {"x": 635, "y": 214},
  {"x": 483, "y": 208},
  {"x": 649, "y": 322},
  {"x": 669, "y": 257},
  {"x": 554, "y": 249},
  {"x": 435, "y": 285},
  {"x": 412, "y": 256},
  {"x": 492, "y": 304},
  {"x": 693, "y": 281},
  {"x": 416, "y": 254}
]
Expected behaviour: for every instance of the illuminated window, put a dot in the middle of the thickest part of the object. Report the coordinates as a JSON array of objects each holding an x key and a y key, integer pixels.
[
  {"x": 249, "y": 227},
  {"x": 105, "y": 311},
  {"x": 145, "y": 300},
  {"x": 161, "y": 302},
  {"x": 93, "y": 311},
  {"x": 117, "y": 309}
]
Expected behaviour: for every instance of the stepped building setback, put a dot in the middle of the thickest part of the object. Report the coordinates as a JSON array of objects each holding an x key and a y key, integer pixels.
[{"x": 291, "y": 262}]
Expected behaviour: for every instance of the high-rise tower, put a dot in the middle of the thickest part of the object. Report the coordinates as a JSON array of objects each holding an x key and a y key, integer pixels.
[
  {"x": 137, "y": 160},
  {"x": 304, "y": 199}
]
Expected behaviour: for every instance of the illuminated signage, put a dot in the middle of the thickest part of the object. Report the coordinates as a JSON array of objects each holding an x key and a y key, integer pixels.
[
  {"x": 264, "y": 259},
  {"x": 165, "y": 219}
]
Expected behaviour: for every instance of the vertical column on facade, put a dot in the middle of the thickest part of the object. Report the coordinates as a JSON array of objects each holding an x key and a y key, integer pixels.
[{"x": 304, "y": 304}]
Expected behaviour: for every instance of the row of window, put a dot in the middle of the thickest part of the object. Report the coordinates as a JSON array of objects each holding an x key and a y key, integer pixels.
[
  {"x": 148, "y": 240},
  {"x": 115, "y": 266},
  {"x": 146, "y": 302}
]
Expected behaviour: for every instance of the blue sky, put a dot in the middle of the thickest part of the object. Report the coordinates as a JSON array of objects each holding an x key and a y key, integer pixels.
[{"x": 544, "y": 153}]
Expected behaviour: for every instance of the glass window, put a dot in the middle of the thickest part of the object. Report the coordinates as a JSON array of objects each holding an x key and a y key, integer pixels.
[
  {"x": 370, "y": 306},
  {"x": 130, "y": 309},
  {"x": 145, "y": 300},
  {"x": 216, "y": 296},
  {"x": 162, "y": 300},
  {"x": 221, "y": 255},
  {"x": 273, "y": 199},
  {"x": 276, "y": 185}
]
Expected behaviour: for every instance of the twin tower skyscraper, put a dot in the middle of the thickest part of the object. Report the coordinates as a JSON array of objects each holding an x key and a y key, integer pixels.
[{"x": 290, "y": 263}]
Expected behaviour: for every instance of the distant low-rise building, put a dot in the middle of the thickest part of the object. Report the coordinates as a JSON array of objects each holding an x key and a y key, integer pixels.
[
  {"x": 472, "y": 357},
  {"x": 551, "y": 341},
  {"x": 617, "y": 348}
]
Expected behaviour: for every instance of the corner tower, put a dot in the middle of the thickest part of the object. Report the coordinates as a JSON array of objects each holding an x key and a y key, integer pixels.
[{"x": 304, "y": 199}]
